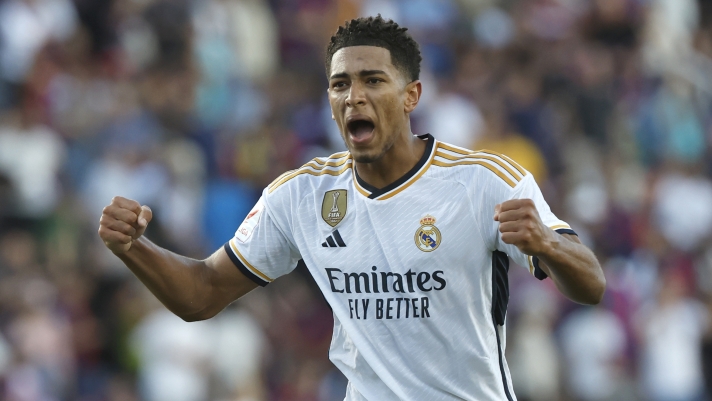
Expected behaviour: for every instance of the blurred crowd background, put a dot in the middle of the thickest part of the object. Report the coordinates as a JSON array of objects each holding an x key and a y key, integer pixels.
[{"x": 193, "y": 106}]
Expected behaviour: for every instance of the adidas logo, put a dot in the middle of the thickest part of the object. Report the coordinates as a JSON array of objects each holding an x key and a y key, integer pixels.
[{"x": 334, "y": 241}]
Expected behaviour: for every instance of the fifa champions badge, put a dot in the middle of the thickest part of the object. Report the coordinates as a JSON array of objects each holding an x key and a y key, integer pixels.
[{"x": 333, "y": 207}]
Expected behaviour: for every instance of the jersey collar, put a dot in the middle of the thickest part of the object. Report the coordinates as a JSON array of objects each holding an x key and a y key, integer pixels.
[{"x": 405, "y": 181}]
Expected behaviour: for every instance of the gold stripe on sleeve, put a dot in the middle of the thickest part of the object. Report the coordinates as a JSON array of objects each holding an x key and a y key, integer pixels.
[
  {"x": 317, "y": 164},
  {"x": 481, "y": 163},
  {"x": 335, "y": 156},
  {"x": 453, "y": 149},
  {"x": 496, "y": 160},
  {"x": 247, "y": 264},
  {"x": 503, "y": 160},
  {"x": 531, "y": 265},
  {"x": 333, "y": 161},
  {"x": 286, "y": 173},
  {"x": 310, "y": 172},
  {"x": 507, "y": 158}
]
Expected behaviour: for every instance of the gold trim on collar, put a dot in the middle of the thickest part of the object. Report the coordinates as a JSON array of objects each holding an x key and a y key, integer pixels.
[{"x": 395, "y": 191}]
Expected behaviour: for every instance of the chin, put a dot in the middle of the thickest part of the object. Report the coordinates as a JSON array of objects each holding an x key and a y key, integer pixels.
[
  {"x": 369, "y": 153},
  {"x": 366, "y": 155},
  {"x": 363, "y": 155},
  {"x": 365, "y": 158}
]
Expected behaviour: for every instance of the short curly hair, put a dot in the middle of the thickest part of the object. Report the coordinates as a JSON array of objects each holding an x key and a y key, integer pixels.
[{"x": 376, "y": 31}]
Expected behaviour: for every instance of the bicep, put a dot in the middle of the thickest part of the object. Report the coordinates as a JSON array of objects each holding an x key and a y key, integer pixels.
[{"x": 227, "y": 282}]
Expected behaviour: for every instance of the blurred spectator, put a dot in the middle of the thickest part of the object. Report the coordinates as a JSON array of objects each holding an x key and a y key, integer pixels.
[
  {"x": 493, "y": 28},
  {"x": 499, "y": 137},
  {"x": 31, "y": 155},
  {"x": 672, "y": 327},
  {"x": 594, "y": 343},
  {"x": 671, "y": 128},
  {"x": 614, "y": 23},
  {"x": 174, "y": 357},
  {"x": 177, "y": 359},
  {"x": 669, "y": 31},
  {"x": 25, "y": 27},
  {"x": 674, "y": 193},
  {"x": 455, "y": 119},
  {"x": 42, "y": 340},
  {"x": 529, "y": 115},
  {"x": 532, "y": 353}
]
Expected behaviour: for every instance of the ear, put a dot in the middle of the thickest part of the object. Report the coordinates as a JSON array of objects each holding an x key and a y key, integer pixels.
[{"x": 412, "y": 95}]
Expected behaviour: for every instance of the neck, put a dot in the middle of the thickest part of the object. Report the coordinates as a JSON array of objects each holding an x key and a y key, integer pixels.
[{"x": 395, "y": 163}]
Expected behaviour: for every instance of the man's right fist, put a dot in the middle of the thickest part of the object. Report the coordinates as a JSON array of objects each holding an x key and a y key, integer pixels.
[{"x": 122, "y": 222}]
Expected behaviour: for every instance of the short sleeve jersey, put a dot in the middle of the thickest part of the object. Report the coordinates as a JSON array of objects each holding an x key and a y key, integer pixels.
[{"x": 415, "y": 273}]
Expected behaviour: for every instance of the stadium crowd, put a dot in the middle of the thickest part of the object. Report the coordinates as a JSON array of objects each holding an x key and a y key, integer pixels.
[{"x": 192, "y": 107}]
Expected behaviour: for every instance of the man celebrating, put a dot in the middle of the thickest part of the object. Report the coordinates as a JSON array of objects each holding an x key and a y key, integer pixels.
[{"x": 408, "y": 238}]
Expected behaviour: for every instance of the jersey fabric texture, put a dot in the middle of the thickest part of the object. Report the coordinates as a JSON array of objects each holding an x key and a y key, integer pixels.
[{"x": 415, "y": 273}]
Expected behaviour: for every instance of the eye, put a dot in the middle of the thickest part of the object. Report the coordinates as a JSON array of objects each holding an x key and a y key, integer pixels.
[
  {"x": 373, "y": 80},
  {"x": 338, "y": 85}
]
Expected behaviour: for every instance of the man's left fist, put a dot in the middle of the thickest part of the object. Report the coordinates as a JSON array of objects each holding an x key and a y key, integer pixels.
[{"x": 521, "y": 226}]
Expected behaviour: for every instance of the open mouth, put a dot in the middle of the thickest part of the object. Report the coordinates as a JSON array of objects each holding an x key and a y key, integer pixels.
[{"x": 360, "y": 130}]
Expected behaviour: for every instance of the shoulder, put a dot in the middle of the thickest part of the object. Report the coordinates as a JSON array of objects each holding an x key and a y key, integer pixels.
[
  {"x": 317, "y": 169},
  {"x": 481, "y": 165}
]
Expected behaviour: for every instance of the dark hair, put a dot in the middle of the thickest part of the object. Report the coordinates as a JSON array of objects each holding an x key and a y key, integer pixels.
[{"x": 375, "y": 31}]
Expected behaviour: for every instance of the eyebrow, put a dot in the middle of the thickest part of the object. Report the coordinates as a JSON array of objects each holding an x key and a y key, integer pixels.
[{"x": 362, "y": 73}]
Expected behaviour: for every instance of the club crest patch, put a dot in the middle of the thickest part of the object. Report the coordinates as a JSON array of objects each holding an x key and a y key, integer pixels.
[
  {"x": 333, "y": 208},
  {"x": 427, "y": 236}
]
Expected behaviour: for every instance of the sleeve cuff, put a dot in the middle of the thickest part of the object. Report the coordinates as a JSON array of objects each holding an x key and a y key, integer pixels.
[
  {"x": 243, "y": 269},
  {"x": 538, "y": 272}
]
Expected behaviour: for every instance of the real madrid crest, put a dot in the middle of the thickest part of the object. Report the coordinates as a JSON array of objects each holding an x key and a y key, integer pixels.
[
  {"x": 333, "y": 207},
  {"x": 427, "y": 236}
]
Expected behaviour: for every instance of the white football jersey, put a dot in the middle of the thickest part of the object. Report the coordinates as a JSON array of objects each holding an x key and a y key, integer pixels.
[{"x": 415, "y": 273}]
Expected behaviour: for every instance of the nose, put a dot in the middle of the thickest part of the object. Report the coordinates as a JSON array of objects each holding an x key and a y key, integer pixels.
[{"x": 357, "y": 96}]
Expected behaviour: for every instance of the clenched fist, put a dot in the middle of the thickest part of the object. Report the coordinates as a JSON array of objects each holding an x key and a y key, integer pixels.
[
  {"x": 122, "y": 222},
  {"x": 521, "y": 226}
]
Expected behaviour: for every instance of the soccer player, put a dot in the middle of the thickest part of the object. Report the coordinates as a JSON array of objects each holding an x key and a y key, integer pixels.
[{"x": 408, "y": 238}]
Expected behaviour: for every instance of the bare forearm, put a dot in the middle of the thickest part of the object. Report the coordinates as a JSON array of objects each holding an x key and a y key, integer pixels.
[
  {"x": 192, "y": 289},
  {"x": 177, "y": 281},
  {"x": 574, "y": 269}
]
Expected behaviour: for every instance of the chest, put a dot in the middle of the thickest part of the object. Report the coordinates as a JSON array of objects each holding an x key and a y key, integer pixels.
[{"x": 430, "y": 225}]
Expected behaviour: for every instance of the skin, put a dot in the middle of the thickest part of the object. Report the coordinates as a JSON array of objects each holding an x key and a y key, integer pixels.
[
  {"x": 363, "y": 83},
  {"x": 572, "y": 267},
  {"x": 192, "y": 289}
]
